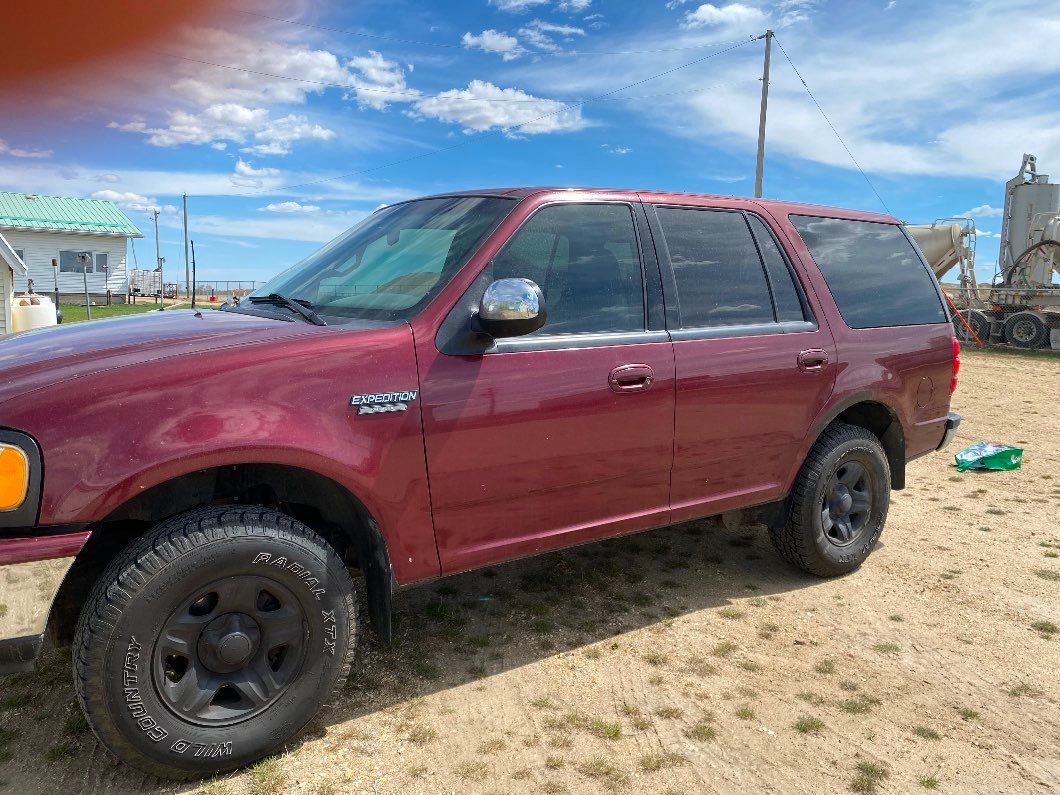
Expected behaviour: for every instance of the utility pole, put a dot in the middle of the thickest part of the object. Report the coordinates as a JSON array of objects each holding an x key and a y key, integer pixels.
[
  {"x": 193, "y": 290},
  {"x": 762, "y": 119},
  {"x": 158, "y": 263},
  {"x": 187, "y": 266}
]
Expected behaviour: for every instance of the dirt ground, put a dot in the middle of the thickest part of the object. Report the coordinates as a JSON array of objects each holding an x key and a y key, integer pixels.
[{"x": 691, "y": 660}]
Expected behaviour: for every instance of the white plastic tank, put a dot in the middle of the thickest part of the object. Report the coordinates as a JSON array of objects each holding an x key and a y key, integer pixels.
[{"x": 30, "y": 311}]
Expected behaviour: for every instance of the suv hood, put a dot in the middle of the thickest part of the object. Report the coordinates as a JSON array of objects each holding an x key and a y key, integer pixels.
[{"x": 43, "y": 357}]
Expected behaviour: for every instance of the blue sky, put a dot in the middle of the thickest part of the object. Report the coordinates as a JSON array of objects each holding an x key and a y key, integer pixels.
[{"x": 289, "y": 121}]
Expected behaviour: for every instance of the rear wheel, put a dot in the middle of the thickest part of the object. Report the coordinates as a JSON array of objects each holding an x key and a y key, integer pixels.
[
  {"x": 836, "y": 512},
  {"x": 212, "y": 640},
  {"x": 979, "y": 322},
  {"x": 1026, "y": 330}
]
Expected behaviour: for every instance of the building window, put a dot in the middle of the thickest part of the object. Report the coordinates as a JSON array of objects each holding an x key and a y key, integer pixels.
[
  {"x": 21, "y": 252},
  {"x": 70, "y": 262},
  {"x": 101, "y": 263}
]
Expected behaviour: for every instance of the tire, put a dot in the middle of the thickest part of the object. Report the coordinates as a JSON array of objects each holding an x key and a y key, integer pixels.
[
  {"x": 212, "y": 640},
  {"x": 823, "y": 531},
  {"x": 1026, "y": 330},
  {"x": 979, "y": 322}
]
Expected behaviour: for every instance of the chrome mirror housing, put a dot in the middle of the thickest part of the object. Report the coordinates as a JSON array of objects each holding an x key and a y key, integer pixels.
[{"x": 511, "y": 308}]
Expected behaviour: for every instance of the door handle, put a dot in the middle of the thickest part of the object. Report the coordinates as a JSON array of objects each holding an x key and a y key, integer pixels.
[
  {"x": 813, "y": 360},
  {"x": 631, "y": 378}
]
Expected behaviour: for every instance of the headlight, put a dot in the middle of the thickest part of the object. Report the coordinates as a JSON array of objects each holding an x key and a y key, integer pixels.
[{"x": 14, "y": 477}]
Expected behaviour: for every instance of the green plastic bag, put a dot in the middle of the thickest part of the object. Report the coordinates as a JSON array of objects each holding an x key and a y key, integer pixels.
[{"x": 989, "y": 455}]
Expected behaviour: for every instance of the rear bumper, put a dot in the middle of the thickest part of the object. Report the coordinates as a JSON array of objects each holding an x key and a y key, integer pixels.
[
  {"x": 31, "y": 571},
  {"x": 953, "y": 421}
]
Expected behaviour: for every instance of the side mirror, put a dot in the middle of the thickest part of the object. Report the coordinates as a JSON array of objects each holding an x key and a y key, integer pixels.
[{"x": 510, "y": 308}]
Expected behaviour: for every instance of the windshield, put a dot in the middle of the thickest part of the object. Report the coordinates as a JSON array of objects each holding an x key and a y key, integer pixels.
[{"x": 391, "y": 264}]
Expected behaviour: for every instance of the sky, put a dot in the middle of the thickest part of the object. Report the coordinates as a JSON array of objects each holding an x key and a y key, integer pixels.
[{"x": 286, "y": 122}]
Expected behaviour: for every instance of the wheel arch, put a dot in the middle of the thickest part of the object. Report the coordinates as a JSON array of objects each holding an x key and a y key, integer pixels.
[
  {"x": 880, "y": 420},
  {"x": 319, "y": 502}
]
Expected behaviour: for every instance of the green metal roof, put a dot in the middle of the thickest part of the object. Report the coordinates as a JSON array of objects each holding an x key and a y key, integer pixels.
[{"x": 60, "y": 214}]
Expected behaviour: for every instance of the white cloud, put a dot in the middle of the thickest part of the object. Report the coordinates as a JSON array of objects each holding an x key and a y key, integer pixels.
[
  {"x": 520, "y": 6},
  {"x": 494, "y": 41},
  {"x": 5, "y": 149},
  {"x": 380, "y": 81},
  {"x": 513, "y": 111},
  {"x": 732, "y": 15},
  {"x": 540, "y": 34},
  {"x": 239, "y": 124},
  {"x": 289, "y": 207},
  {"x": 244, "y": 169},
  {"x": 127, "y": 200},
  {"x": 616, "y": 150},
  {"x": 983, "y": 233},
  {"x": 983, "y": 211}
]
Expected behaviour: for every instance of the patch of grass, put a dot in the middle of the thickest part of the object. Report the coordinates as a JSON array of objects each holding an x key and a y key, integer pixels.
[
  {"x": 76, "y": 725},
  {"x": 767, "y": 630},
  {"x": 58, "y": 751},
  {"x": 725, "y": 648},
  {"x": 605, "y": 729},
  {"x": 215, "y": 787},
  {"x": 985, "y": 529},
  {"x": 698, "y": 665},
  {"x": 267, "y": 777},
  {"x": 670, "y": 713},
  {"x": 810, "y": 697},
  {"x": 951, "y": 574},
  {"x": 1023, "y": 689},
  {"x": 887, "y": 648},
  {"x": 472, "y": 771},
  {"x": 553, "y": 787},
  {"x": 16, "y": 699},
  {"x": 543, "y": 626},
  {"x": 553, "y": 762},
  {"x": 543, "y": 702},
  {"x": 930, "y": 782},
  {"x": 1051, "y": 554},
  {"x": 592, "y": 653},
  {"x": 869, "y": 776},
  {"x": 76, "y": 313},
  {"x": 859, "y": 705},
  {"x": 996, "y": 511},
  {"x": 809, "y": 725},
  {"x": 421, "y": 735},
  {"x": 599, "y": 768},
  {"x": 825, "y": 667},
  {"x": 750, "y": 665},
  {"x": 1045, "y": 627},
  {"x": 758, "y": 601},
  {"x": 702, "y": 730},
  {"x": 968, "y": 714},
  {"x": 654, "y": 761},
  {"x": 492, "y": 746},
  {"x": 1048, "y": 574},
  {"x": 927, "y": 733},
  {"x": 731, "y": 613},
  {"x": 849, "y": 685},
  {"x": 655, "y": 658},
  {"x": 745, "y": 713},
  {"x": 641, "y": 723},
  {"x": 425, "y": 669},
  {"x": 896, "y": 617}
]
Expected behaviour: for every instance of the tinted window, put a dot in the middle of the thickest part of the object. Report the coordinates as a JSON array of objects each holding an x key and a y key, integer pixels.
[
  {"x": 585, "y": 259},
  {"x": 720, "y": 280},
  {"x": 786, "y": 299},
  {"x": 874, "y": 273}
]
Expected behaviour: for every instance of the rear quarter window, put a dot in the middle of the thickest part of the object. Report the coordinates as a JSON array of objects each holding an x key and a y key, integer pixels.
[{"x": 872, "y": 270}]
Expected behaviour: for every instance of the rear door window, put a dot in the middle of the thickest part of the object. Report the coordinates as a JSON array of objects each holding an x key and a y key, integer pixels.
[
  {"x": 720, "y": 278},
  {"x": 787, "y": 299},
  {"x": 875, "y": 275}
]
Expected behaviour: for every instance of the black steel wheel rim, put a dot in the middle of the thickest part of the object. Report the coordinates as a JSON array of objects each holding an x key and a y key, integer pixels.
[
  {"x": 230, "y": 650},
  {"x": 846, "y": 506}
]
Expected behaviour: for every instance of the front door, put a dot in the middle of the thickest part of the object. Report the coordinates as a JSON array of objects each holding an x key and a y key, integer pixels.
[{"x": 566, "y": 434}]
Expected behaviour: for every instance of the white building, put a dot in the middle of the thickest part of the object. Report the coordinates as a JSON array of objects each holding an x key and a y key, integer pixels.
[
  {"x": 87, "y": 238},
  {"x": 10, "y": 265}
]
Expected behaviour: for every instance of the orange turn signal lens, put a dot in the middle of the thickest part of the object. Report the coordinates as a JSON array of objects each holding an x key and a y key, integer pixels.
[{"x": 14, "y": 477}]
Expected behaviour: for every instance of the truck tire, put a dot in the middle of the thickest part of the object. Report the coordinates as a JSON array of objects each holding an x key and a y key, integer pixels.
[
  {"x": 979, "y": 322},
  {"x": 836, "y": 511},
  {"x": 212, "y": 640},
  {"x": 1026, "y": 330}
]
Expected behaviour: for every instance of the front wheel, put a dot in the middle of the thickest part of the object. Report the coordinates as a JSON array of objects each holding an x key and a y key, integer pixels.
[
  {"x": 212, "y": 640},
  {"x": 837, "y": 509}
]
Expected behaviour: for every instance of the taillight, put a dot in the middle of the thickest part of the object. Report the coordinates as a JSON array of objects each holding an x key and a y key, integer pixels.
[{"x": 956, "y": 365}]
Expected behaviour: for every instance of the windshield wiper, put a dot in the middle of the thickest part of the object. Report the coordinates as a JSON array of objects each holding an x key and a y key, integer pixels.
[{"x": 299, "y": 305}]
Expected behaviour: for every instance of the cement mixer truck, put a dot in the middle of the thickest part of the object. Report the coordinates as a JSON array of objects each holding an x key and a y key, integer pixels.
[{"x": 1022, "y": 306}]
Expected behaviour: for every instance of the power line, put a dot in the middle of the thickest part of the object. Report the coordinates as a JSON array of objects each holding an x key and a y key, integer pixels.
[
  {"x": 834, "y": 130},
  {"x": 564, "y": 106},
  {"x": 543, "y": 53}
]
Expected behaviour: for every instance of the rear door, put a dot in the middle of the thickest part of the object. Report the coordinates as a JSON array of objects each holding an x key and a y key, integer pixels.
[
  {"x": 566, "y": 434},
  {"x": 754, "y": 367}
]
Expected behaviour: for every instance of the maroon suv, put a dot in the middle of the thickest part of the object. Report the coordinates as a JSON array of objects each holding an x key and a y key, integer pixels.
[{"x": 457, "y": 381}]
